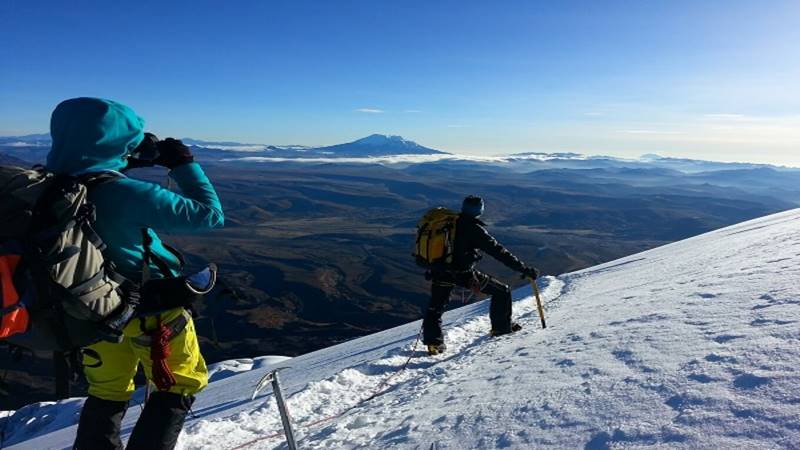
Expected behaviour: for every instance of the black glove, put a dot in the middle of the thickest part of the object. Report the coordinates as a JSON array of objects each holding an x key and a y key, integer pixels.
[
  {"x": 530, "y": 272},
  {"x": 144, "y": 154},
  {"x": 173, "y": 153}
]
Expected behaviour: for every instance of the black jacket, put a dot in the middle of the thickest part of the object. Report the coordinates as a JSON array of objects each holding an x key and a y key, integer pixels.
[{"x": 471, "y": 238}]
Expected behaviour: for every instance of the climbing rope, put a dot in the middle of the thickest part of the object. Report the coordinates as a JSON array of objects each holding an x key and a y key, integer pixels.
[
  {"x": 382, "y": 388},
  {"x": 475, "y": 287}
]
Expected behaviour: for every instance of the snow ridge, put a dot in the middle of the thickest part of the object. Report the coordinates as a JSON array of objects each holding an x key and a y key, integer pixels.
[
  {"x": 331, "y": 397},
  {"x": 690, "y": 345}
]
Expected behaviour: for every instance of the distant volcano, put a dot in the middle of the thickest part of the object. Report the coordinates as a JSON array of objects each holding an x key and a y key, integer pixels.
[{"x": 377, "y": 145}]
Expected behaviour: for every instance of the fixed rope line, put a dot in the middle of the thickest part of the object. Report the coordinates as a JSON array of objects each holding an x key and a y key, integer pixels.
[{"x": 382, "y": 387}]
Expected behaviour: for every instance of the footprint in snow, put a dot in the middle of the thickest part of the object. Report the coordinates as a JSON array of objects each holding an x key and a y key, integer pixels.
[
  {"x": 723, "y": 338},
  {"x": 713, "y": 357},
  {"x": 763, "y": 322},
  {"x": 772, "y": 301},
  {"x": 641, "y": 319},
  {"x": 628, "y": 358},
  {"x": 522, "y": 351},
  {"x": 679, "y": 401},
  {"x": 591, "y": 373},
  {"x": 702, "y": 378},
  {"x": 750, "y": 381},
  {"x": 697, "y": 323},
  {"x": 566, "y": 363}
]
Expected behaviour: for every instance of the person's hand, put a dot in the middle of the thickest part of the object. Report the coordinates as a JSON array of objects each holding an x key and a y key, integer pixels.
[
  {"x": 173, "y": 153},
  {"x": 144, "y": 154},
  {"x": 530, "y": 272}
]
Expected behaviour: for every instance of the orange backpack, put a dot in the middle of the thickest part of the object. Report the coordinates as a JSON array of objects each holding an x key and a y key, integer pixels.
[{"x": 13, "y": 316}]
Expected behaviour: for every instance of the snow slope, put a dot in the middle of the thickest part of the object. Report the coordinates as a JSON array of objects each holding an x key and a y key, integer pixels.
[{"x": 690, "y": 345}]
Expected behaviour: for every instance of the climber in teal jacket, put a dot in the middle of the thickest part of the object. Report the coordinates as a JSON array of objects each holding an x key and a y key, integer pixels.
[{"x": 93, "y": 135}]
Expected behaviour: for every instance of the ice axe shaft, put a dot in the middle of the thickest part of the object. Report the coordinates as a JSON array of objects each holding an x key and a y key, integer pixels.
[{"x": 538, "y": 301}]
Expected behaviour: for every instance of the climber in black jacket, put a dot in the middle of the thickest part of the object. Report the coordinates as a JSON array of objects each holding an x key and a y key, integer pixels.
[{"x": 471, "y": 238}]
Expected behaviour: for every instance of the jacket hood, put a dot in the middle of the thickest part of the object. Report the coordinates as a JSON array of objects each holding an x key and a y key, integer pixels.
[{"x": 92, "y": 135}]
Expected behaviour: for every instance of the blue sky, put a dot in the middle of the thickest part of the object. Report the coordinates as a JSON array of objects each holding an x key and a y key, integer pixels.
[{"x": 704, "y": 79}]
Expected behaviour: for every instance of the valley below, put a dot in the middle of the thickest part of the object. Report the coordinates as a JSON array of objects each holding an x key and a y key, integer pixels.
[{"x": 314, "y": 254}]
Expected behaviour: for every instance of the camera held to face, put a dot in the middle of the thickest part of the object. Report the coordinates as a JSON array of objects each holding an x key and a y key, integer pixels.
[
  {"x": 147, "y": 151},
  {"x": 151, "y": 151}
]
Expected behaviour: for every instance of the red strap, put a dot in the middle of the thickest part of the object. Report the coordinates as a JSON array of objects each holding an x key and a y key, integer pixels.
[{"x": 162, "y": 375}]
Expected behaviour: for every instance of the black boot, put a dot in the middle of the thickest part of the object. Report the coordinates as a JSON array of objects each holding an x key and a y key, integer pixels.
[
  {"x": 435, "y": 349},
  {"x": 99, "y": 425},
  {"x": 514, "y": 328},
  {"x": 161, "y": 422}
]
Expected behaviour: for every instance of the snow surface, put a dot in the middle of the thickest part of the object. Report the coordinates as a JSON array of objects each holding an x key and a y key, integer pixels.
[{"x": 690, "y": 345}]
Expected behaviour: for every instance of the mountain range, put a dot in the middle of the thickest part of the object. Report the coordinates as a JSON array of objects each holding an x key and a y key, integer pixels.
[
  {"x": 396, "y": 150},
  {"x": 316, "y": 249}
]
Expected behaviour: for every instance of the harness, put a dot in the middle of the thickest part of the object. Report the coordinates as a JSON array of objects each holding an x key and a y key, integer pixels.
[{"x": 158, "y": 340}]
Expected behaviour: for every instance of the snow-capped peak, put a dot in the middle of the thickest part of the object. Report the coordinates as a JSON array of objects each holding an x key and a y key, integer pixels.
[{"x": 381, "y": 139}]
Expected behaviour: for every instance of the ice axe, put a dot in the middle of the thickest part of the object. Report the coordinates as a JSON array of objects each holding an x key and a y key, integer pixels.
[{"x": 538, "y": 301}]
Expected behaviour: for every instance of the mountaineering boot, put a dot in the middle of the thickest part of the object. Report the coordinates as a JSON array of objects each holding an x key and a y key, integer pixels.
[
  {"x": 161, "y": 422},
  {"x": 435, "y": 349},
  {"x": 98, "y": 428},
  {"x": 514, "y": 328}
]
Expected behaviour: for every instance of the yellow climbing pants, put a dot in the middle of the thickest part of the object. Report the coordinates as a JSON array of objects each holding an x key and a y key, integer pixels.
[{"x": 110, "y": 368}]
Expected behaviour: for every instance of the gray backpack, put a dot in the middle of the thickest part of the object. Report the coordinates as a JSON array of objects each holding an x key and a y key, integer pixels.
[{"x": 58, "y": 291}]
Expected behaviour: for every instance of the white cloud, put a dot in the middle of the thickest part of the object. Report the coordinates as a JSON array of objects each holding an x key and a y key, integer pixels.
[
  {"x": 370, "y": 110},
  {"x": 759, "y": 134},
  {"x": 417, "y": 159},
  {"x": 240, "y": 148},
  {"x": 390, "y": 159},
  {"x": 725, "y": 116},
  {"x": 650, "y": 132}
]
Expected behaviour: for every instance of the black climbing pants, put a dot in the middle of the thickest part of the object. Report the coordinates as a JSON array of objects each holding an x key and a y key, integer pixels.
[
  {"x": 161, "y": 422},
  {"x": 98, "y": 428},
  {"x": 158, "y": 426},
  {"x": 442, "y": 286}
]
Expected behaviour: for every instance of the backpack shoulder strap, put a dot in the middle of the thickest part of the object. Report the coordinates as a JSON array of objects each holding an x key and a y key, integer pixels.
[
  {"x": 91, "y": 180},
  {"x": 149, "y": 256}
]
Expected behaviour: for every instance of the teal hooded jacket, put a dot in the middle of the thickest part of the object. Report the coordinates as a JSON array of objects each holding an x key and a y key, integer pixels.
[{"x": 95, "y": 135}]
